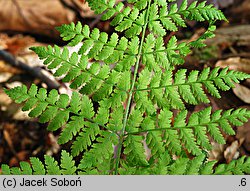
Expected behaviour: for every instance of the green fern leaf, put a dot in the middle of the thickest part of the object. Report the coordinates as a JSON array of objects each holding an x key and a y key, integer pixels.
[
  {"x": 240, "y": 167},
  {"x": 115, "y": 122},
  {"x": 135, "y": 151},
  {"x": 71, "y": 129},
  {"x": 195, "y": 165},
  {"x": 85, "y": 139},
  {"x": 100, "y": 152},
  {"x": 5, "y": 169},
  {"x": 15, "y": 171},
  {"x": 37, "y": 166},
  {"x": 207, "y": 168},
  {"x": 52, "y": 166},
  {"x": 25, "y": 167},
  {"x": 153, "y": 139},
  {"x": 67, "y": 164},
  {"x": 190, "y": 88},
  {"x": 178, "y": 167}
]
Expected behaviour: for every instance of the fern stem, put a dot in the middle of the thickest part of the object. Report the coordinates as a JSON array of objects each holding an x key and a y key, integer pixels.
[{"x": 118, "y": 152}]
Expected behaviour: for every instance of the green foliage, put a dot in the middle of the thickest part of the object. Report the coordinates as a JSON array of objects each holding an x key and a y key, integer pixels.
[
  {"x": 181, "y": 166},
  {"x": 127, "y": 113},
  {"x": 50, "y": 166},
  {"x": 189, "y": 89}
]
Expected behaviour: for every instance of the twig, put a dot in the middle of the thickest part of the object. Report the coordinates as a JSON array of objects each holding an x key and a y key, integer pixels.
[
  {"x": 95, "y": 21},
  {"x": 75, "y": 8},
  {"x": 7, "y": 138},
  {"x": 33, "y": 71}
]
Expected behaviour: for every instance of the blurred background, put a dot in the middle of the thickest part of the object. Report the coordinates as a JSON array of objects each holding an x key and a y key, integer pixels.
[{"x": 27, "y": 23}]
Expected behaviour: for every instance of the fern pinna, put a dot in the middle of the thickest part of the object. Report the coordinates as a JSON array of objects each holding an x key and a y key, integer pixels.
[{"x": 120, "y": 116}]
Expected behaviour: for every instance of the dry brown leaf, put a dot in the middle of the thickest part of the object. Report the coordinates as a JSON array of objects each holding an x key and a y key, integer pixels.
[
  {"x": 5, "y": 77},
  {"x": 41, "y": 18},
  {"x": 4, "y": 98},
  {"x": 231, "y": 152},
  {"x": 231, "y": 37},
  {"x": 8, "y": 139},
  {"x": 16, "y": 44},
  {"x": 34, "y": 16},
  {"x": 1, "y": 155},
  {"x": 217, "y": 151},
  {"x": 80, "y": 6},
  {"x": 3, "y": 44},
  {"x": 242, "y": 65},
  {"x": 242, "y": 92},
  {"x": 54, "y": 145},
  {"x": 243, "y": 134},
  {"x": 14, "y": 84},
  {"x": 4, "y": 67},
  {"x": 22, "y": 156},
  {"x": 21, "y": 115},
  {"x": 237, "y": 63},
  {"x": 242, "y": 11}
]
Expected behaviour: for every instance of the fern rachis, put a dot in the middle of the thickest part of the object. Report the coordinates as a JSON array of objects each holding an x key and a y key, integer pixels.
[{"x": 134, "y": 107}]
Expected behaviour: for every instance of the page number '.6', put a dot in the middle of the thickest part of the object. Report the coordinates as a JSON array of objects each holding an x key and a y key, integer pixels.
[{"x": 243, "y": 182}]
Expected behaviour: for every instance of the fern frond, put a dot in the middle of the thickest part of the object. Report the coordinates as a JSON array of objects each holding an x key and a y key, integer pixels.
[
  {"x": 74, "y": 33},
  {"x": 156, "y": 55},
  {"x": 239, "y": 167},
  {"x": 127, "y": 19},
  {"x": 199, "y": 166},
  {"x": 192, "y": 135},
  {"x": 135, "y": 151},
  {"x": 154, "y": 140},
  {"x": 85, "y": 138},
  {"x": 52, "y": 166},
  {"x": 195, "y": 165},
  {"x": 115, "y": 121},
  {"x": 141, "y": 98},
  {"x": 181, "y": 166},
  {"x": 36, "y": 167},
  {"x": 133, "y": 144},
  {"x": 99, "y": 153},
  {"x": 5, "y": 169},
  {"x": 169, "y": 19},
  {"x": 67, "y": 164},
  {"x": 76, "y": 70},
  {"x": 25, "y": 168},
  {"x": 191, "y": 88},
  {"x": 96, "y": 45},
  {"x": 160, "y": 17},
  {"x": 56, "y": 109}
]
